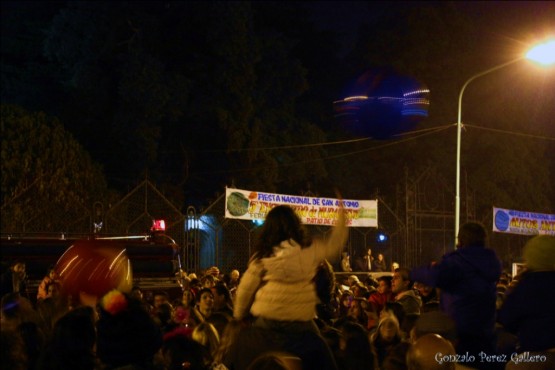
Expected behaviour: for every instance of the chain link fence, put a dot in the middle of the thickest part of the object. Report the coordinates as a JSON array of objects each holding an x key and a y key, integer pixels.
[{"x": 418, "y": 225}]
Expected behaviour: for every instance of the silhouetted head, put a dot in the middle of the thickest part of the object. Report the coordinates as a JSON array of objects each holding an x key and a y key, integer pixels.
[
  {"x": 431, "y": 352},
  {"x": 472, "y": 234}
]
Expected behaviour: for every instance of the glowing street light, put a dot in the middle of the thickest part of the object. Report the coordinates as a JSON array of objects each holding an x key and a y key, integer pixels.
[{"x": 543, "y": 54}]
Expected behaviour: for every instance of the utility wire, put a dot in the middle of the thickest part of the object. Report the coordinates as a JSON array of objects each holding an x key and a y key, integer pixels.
[
  {"x": 512, "y": 132},
  {"x": 402, "y": 141},
  {"x": 341, "y": 142}
]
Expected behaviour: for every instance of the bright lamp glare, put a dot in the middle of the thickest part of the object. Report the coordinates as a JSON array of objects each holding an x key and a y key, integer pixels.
[{"x": 543, "y": 53}]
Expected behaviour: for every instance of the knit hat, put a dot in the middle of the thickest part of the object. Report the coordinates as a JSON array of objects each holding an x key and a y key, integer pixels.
[
  {"x": 126, "y": 333},
  {"x": 539, "y": 253}
]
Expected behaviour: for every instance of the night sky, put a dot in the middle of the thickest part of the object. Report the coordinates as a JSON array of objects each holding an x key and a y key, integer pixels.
[{"x": 500, "y": 31}]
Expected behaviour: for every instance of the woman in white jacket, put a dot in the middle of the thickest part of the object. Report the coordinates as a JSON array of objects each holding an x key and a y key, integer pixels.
[
  {"x": 279, "y": 291},
  {"x": 277, "y": 287}
]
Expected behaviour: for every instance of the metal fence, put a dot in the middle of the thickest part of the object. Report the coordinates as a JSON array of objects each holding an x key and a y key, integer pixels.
[
  {"x": 418, "y": 223},
  {"x": 228, "y": 243}
]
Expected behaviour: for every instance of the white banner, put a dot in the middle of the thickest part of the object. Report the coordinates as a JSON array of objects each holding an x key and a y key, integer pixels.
[
  {"x": 522, "y": 223},
  {"x": 252, "y": 205}
]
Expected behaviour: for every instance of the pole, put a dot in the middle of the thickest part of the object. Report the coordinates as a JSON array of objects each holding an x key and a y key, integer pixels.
[{"x": 459, "y": 134}]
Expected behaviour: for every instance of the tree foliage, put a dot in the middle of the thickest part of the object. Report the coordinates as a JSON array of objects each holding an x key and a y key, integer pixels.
[{"x": 45, "y": 172}]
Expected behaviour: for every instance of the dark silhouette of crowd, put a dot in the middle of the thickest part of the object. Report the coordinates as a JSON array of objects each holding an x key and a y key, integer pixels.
[{"x": 290, "y": 310}]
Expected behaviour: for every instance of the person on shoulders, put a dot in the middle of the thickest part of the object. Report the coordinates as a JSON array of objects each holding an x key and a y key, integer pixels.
[{"x": 278, "y": 287}]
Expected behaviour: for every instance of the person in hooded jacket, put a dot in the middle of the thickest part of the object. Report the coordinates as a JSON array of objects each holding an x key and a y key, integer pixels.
[
  {"x": 278, "y": 287},
  {"x": 467, "y": 279}
]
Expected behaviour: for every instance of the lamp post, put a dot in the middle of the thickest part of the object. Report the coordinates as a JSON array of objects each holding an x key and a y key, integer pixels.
[{"x": 543, "y": 54}]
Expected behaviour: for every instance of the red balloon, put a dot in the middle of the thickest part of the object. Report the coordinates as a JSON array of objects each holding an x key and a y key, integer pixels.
[{"x": 91, "y": 268}]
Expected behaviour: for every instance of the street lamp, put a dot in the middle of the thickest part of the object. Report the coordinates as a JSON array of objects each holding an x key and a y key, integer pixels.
[{"x": 543, "y": 54}]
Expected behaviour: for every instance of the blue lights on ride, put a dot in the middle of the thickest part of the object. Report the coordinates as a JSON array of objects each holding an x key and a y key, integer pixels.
[{"x": 382, "y": 105}]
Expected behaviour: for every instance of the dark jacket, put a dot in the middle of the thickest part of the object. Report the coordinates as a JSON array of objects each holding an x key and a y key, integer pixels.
[
  {"x": 467, "y": 278},
  {"x": 529, "y": 311}
]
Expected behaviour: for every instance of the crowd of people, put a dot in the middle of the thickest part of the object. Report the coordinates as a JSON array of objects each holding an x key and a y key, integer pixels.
[{"x": 289, "y": 310}]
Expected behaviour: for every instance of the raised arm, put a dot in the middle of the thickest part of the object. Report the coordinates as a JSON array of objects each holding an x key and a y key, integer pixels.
[{"x": 336, "y": 241}]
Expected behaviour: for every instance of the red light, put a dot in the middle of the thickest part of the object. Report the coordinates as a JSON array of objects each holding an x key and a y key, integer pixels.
[{"x": 158, "y": 225}]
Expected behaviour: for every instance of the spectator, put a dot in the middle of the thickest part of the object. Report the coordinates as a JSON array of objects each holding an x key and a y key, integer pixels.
[
  {"x": 164, "y": 317},
  {"x": 355, "y": 350},
  {"x": 382, "y": 295},
  {"x": 359, "y": 290},
  {"x": 137, "y": 293},
  {"x": 324, "y": 280},
  {"x": 160, "y": 297},
  {"x": 429, "y": 296},
  {"x": 54, "y": 290},
  {"x": 276, "y": 360},
  {"x": 207, "y": 336},
  {"x": 16, "y": 310},
  {"x": 352, "y": 280},
  {"x": 401, "y": 286},
  {"x": 371, "y": 284},
  {"x": 357, "y": 312},
  {"x": 435, "y": 322},
  {"x": 394, "y": 266},
  {"x": 51, "y": 277},
  {"x": 467, "y": 279},
  {"x": 180, "y": 351},
  {"x": 368, "y": 261},
  {"x": 184, "y": 314},
  {"x": 234, "y": 278},
  {"x": 208, "y": 281},
  {"x": 222, "y": 299},
  {"x": 529, "y": 309},
  {"x": 346, "y": 263},
  {"x": 72, "y": 343},
  {"x": 127, "y": 334},
  {"x": 277, "y": 287},
  {"x": 386, "y": 338},
  {"x": 423, "y": 354},
  {"x": 204, "y": 306},
  {"x": 345, "y": 301},
  {"x": 228, "y": 339},
  {"x": 33, "y": 339},
  {"x": 14, "y": 280},
  {"x": 188, "y": 299},
  {"x": 12, "y": 350},
  {"x": 379, "y": 264},
  {"x": 219, "y": 320}
]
